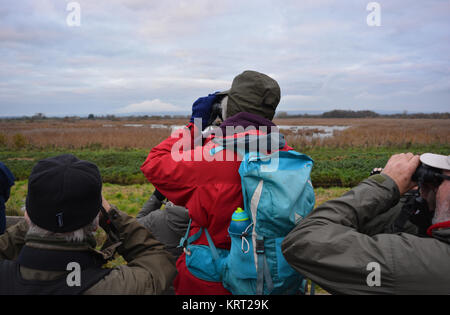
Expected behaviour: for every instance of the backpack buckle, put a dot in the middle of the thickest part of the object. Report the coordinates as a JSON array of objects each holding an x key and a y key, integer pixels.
[
  {"x": 259, "y": 247},
  {"x": 187, "y": 251}
]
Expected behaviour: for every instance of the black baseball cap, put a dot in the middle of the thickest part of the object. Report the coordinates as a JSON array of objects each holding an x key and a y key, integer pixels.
[{"x": 64, "y": 193}]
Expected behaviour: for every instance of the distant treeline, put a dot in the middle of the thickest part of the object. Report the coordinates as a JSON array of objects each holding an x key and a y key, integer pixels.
[
  {"x": 282, "y": 114},
  {"x": 42, "y": 117},
  {"x": 365, "y": 114}
]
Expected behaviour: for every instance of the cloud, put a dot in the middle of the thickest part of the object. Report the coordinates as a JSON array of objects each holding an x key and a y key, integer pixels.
[
  {"x": 298, "y": 98},
  {"x": 321, "y": 52},
  {"x": 190, "y": 82},
  {"x": 166, "y": 20},
  {"x": 153, "y": 106}
]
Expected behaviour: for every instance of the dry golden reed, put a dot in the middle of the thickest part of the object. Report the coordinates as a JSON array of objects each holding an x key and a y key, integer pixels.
[
  {"x": 120, "y": 134},
  {"x": 377, "y": 132}
]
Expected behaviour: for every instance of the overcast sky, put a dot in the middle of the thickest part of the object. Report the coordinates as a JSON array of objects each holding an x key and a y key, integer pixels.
[{"x": 160, "y": 56}]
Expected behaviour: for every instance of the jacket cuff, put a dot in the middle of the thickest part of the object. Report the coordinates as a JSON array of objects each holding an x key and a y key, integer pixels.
[
  {"x": 118, "y": 218},
  {"x": 12, "y": 241}
]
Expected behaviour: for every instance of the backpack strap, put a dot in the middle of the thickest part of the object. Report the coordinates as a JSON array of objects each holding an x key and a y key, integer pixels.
[
  {"x": 313, "y": 289},
  {"x": 263, "y": 272},
  {"x": 186, "y": 241},
  {"x": 212, "y": 247}
]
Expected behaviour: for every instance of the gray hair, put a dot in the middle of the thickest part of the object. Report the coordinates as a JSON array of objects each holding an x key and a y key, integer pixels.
[
  {"x": 442, "y": 212},
  {"x": 76, "y": 236}
]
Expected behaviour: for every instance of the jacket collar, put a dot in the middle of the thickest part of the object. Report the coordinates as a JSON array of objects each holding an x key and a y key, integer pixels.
[
  {"x": 59, "y": 244},
  {"x": 57, "y": 260},
  {"x": 247, "y": 120}
]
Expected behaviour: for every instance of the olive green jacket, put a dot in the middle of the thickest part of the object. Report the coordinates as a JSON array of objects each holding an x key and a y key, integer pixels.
[
  {"x": 332, "y": 247},
  {"x": 149, "y": 269}
]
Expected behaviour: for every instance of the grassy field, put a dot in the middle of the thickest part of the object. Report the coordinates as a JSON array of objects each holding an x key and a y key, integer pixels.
[
  {"x": 333, "y": 166},
  {"x": 120, "y": 147}
]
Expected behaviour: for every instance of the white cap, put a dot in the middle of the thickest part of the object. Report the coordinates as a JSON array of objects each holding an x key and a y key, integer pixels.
[{"x": 435, "y": 160}]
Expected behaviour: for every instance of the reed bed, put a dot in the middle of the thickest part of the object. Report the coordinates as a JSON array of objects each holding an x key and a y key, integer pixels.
[
  {"x": 116, "y": 134},
  {"x": 80, "y": 135},
  {"x": 369, "y": 133}
]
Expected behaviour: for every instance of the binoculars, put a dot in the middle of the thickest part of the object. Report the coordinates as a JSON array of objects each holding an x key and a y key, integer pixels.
[
  {"x": 423, "y": 174},
  {"x": 429, "y": 175},
  {"x": 415, "y": 209},
  {"x": 216, "y": 111}
]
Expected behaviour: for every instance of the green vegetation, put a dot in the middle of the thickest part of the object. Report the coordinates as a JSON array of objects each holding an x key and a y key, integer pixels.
[
  {"x": 16, "y": 202},
  {"x": 347, "y": 167},
  {"x": 129, "y": 198},
  {"x": 116, "y": 166},
  {"x": 334, "y": 167}
]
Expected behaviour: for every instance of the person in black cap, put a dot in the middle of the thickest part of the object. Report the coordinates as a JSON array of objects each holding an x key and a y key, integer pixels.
[
  {"x": 6, "y": 181},
  {"x": 53, "y": 250}
]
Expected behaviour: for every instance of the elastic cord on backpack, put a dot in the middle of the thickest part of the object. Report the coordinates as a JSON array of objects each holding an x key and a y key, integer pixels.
[{"x": 244, "y": 240}]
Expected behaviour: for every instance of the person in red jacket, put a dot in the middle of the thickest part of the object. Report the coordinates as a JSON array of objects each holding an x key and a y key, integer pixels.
[{"x": 187, "y": 170}]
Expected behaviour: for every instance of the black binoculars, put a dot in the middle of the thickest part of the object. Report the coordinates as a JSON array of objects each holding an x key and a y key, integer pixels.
[
  {"x": 429, "y": 175},
  {"x": 216, "y": 111}
]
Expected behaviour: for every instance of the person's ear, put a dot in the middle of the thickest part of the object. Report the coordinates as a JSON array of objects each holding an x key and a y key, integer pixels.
[{"x": 27, "y": 218}]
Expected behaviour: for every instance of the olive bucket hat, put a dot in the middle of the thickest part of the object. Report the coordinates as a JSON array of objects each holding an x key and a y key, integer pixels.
[{"x": 255, "y": 93}]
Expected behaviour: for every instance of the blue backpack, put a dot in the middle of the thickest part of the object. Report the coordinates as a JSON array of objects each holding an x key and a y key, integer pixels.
[{"x": 277, "y": 193}]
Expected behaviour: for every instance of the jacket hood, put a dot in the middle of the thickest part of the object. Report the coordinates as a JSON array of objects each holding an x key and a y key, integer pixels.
[{"x": 177, "y": 218}]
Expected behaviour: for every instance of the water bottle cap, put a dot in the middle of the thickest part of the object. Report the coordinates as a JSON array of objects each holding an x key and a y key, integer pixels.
[{"x": 239, "y": 215}]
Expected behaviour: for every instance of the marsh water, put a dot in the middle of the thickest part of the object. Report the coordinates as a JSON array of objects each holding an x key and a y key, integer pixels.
[{"x": 309, "y": 130}]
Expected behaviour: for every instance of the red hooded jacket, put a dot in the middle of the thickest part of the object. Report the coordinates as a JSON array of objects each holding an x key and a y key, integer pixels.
[{"x": 210, "y": 189}]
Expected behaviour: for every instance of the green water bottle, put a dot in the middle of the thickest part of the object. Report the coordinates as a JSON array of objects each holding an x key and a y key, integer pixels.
[
  {"x": 239, "y": 222},
  {"x": 240, "y": 227}
]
